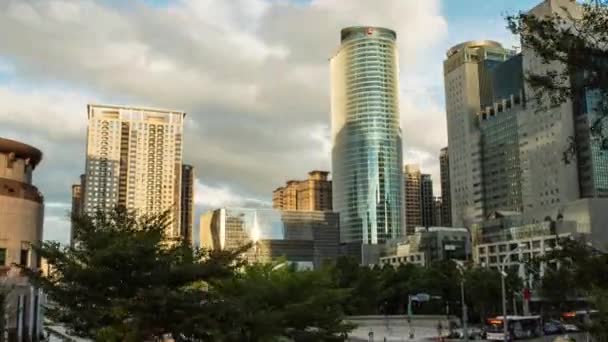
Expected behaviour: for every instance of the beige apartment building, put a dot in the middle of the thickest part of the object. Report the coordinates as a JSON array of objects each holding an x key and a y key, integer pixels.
[
  {"x": 134, "y": 160},
  {"x": 312, "y": 194}
]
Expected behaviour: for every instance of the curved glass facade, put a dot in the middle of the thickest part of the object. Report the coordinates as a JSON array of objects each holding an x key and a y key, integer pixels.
[{"x": 367, "y": 151}]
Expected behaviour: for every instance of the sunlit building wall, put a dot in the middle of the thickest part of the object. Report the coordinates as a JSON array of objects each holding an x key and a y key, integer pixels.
[
  {"x": 21, "y": 226},
  {"x": 134, "y": 160}
]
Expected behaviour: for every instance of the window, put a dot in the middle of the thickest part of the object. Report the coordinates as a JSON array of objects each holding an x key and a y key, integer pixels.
[
  {"x": 23, "y": 257},
  {"x": 2, "y": 256}
]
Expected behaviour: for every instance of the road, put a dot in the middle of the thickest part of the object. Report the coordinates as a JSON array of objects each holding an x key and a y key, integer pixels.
[{"x": 579, "y": 337}]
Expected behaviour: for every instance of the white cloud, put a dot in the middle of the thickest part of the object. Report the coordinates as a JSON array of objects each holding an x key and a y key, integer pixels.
[
  {"x": 223, "y": 196},
  {"x": 44, "y": 111},
  {"x": 253, "y": 76}
]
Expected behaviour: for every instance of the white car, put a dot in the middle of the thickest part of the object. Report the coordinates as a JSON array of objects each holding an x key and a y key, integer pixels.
[{"x": 570, "y": 328}]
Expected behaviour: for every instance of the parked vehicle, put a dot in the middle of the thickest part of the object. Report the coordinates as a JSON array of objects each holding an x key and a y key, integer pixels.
[{"x": 553, "y": 327}]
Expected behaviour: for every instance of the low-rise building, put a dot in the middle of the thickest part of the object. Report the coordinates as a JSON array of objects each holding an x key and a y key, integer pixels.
[
  {"x": 494, "y": 239},
  {"x": 21, "y": 218},
  {"x": 402, "y": 253},
  {"x": 428, "y": 245},
  {"x": 530, "y": 240},
  {"x": 306, "y": 238}
]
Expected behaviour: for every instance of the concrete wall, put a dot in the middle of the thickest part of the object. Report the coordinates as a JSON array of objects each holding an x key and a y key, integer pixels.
[{"x": 20, "y": 224}]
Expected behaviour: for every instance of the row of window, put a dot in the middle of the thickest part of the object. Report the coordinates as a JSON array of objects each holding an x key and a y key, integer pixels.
[
  {"x": 24, "y": 257},
  {"x": 403, "y": 259}
]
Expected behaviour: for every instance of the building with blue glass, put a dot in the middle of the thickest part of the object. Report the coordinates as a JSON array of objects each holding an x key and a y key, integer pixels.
[{"x": 366, "y": 136}]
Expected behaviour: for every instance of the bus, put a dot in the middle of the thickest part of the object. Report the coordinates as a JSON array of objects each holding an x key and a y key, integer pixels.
[
  {"x": 578, "y": 320},
  {"x": 518, "y": 327}
]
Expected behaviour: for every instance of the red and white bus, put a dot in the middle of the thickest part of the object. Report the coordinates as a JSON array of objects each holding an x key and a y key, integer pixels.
[{"x": 518, "y": 327}]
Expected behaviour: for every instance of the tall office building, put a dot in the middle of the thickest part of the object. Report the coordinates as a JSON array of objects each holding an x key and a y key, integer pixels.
[
  {"x": 426, "y": 199},
  {"x": 134, "y": 160},
  {"x": 76, "y": 207},
  {"x": 548, "y": 183},
  {"x": 413, "y": 203},
  {"x": 366, "y": 137},
  {"x": 312, "y": 194},
  {"x": 78, "y": 191},
  {"x": 437, "y": 212},
  {"x": 468, "y": 88},
  {"x": 522, "y": 143},
  {"x": 501, "y": 181},
  {"x": 187, "y": 205},
  {"x": 592, "y": 156},
  {"x": 446, "y": 207}
]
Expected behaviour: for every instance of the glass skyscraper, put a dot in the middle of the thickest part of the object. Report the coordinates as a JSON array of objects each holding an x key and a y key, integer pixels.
[{"x": 366, "y": 137}]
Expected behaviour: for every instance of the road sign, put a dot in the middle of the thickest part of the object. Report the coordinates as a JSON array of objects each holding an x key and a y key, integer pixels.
[{"x": 422, "y": 297}]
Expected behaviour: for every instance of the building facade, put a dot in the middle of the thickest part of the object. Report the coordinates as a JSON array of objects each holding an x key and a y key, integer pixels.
[
  {"x": 427, "y": 203},
  {"x": 510, "y": 238},
  {"x": 413, "y": 204},
  {"x": 366, "y": 136},
  {"x": 591, "y": 149},
  {"x": 446, "y": 207},
  {"x": 187, "y": 204},
  {"x": 538, "y": 239},
  {"x": 21, "y": 220},
  {"x": 312, "y": 194},
  {"x": 21, "y": 204},
  {"x": 76, "y": 207},
  {"x": 306, "y": 238},
  {"x": 468, "y": 87},
  {"x": 427, "y": 245},
  {"x": 548, "y": 183},
  {"x": 500, "y": 150},
  {"x": 437, "y": 212},
  {"x": 134, "y": 160}
]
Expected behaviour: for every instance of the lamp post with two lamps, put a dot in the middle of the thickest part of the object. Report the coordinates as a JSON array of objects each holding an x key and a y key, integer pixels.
[{"x": 465, "y": 329}]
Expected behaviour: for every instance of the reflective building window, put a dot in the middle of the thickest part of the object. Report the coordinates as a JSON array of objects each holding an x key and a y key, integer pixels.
[{"x": 366, "y": 137}]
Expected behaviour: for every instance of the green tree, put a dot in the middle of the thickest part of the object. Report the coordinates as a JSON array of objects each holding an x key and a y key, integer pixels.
[
  {"x": 573, "y": 48},
  {"x": 483, "y": 292},
  {"x": 124, "y": 281},
  {"x": 363, "y": 283},
  {"x": 585, "y": 270},
  {"x": 270, "y": 301}
]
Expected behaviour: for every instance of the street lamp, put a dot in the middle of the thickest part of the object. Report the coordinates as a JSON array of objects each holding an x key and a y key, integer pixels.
[
  {"x": 504, "y": 293},
  {"x": 465, "y": 330}
]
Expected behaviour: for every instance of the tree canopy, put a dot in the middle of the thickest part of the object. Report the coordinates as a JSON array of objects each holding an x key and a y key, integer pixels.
[{"x": 123, "y": 280}]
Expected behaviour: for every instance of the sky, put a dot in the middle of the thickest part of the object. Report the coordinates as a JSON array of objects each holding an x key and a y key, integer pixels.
[{"x": 252, "y": 75}]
